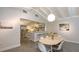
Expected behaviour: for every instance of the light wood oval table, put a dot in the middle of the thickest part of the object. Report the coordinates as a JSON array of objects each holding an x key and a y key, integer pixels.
[{"x": 51, "y": 42}]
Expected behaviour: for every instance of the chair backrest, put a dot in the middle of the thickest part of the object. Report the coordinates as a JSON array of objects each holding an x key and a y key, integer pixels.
[
  {"x": 42, "y": 47},
  {"x": 60, "y": 45}
]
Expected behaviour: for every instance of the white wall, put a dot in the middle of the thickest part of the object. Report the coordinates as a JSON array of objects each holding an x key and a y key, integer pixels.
[
  {"x": 72, "y": 35},
  {"x": 10, "y": 38}
]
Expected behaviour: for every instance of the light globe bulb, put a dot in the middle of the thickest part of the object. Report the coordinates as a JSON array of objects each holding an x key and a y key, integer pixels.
[{"x": 51, "y": 17}]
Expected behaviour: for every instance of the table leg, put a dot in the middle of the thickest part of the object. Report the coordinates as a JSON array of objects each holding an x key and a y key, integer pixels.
[{"x": 51, "y": 48}]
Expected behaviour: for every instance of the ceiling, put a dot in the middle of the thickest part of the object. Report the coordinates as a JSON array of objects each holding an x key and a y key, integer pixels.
[{"x": 59, "y": 12}]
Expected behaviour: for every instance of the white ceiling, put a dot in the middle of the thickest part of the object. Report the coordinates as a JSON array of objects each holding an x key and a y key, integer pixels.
[{"x": 59, "y": 12}]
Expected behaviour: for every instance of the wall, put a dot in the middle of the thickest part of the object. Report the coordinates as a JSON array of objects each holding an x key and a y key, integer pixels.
[
  {"x": 10, "y": 38},
  {"x": 72, "y": 35}
]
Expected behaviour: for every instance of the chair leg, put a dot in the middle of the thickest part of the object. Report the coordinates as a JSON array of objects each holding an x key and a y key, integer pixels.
[{"x": 61, "y": 50}]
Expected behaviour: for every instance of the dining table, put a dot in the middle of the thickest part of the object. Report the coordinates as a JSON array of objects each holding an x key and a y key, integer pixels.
[{"x": 51, "y": 41}]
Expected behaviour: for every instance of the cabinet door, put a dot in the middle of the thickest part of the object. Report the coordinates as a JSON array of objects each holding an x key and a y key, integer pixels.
[{"x": 37, "y": 36}]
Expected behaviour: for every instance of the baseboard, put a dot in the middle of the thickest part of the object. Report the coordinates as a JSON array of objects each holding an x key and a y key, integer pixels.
[
  {"x": 10, "y": 47},
  {"x": 72, "y": 41}
]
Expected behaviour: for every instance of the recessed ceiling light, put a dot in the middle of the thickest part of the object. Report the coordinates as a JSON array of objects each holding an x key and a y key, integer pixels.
[
  {"x": 36, "y": 15},
  {"x": 24, "y": 11},
  {"x": 51, "y": 17}
]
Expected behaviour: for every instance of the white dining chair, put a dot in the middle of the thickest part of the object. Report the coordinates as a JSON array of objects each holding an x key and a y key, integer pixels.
[
  {"x": 42, "y": 47},
  {"x": 60, "y": 47}
]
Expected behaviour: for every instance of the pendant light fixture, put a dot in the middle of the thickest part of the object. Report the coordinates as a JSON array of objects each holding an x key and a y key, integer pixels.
[{"x": 51, "y": 17}]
